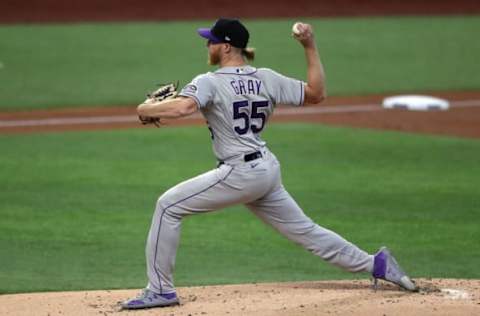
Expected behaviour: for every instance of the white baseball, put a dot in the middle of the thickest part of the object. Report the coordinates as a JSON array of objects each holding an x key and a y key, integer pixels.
[{"x": 295, "y": 28}]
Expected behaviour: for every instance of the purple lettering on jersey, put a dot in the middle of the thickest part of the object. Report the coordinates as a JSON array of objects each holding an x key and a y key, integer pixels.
[
  {"x": 258, "y": 83},
  {"x": 241, "y": 85},
  {"x": 251, "y": 87},
  {"x": 234, "y": 86}
]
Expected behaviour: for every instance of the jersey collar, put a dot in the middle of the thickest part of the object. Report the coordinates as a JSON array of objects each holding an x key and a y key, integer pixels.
[{"x": 242, "y": 70}]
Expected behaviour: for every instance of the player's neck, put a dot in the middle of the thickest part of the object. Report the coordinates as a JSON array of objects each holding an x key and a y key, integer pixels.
[{"x": 232, "y": 61}]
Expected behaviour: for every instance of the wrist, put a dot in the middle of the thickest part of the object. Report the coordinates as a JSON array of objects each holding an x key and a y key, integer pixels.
[{"x": 309, "y": 44}]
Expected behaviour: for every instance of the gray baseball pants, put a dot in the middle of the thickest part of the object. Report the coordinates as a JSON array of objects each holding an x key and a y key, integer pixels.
[{"x": 256, "y": 184}]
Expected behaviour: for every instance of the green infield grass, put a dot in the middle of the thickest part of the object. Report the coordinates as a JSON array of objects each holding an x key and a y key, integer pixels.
[
  {"x": 45, "y": 66},
  {"x": 75, "y": 207}
]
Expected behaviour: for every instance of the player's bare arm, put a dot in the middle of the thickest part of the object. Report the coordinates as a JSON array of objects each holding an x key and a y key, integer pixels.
[
  {"x": 168, "y": 109},
  {"x": 315, "y": 90}
]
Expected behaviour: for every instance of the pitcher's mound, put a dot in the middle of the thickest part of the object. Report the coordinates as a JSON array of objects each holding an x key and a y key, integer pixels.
[{"x": 437, "y": 297}]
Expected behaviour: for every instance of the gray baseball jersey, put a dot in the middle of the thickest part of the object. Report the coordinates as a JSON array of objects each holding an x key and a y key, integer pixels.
[{"x": 237, "y": 102}]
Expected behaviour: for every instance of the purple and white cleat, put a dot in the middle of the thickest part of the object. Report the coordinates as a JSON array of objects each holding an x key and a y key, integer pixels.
[
  {"x": 385, "y": 267},
  {"x": 148, "y": 299}
]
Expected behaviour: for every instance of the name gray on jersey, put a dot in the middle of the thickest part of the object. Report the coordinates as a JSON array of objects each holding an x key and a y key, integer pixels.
[{"x": 242, "y": 87}]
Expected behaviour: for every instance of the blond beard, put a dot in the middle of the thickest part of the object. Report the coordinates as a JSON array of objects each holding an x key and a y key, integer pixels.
[{"x": 213, "y": 59}]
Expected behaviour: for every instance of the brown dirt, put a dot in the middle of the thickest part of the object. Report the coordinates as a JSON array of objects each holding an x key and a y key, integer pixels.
[
  {"x": 438, "y": 297},
  {"x": 361, "y": 112}
]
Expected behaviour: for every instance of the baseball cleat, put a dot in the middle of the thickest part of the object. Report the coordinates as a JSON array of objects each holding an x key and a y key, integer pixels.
[
  {"x": 148, "y": 299},
  {"x": 385, "y": 267}
]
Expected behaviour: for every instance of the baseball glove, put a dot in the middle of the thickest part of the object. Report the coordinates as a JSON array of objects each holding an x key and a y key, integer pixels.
[{"x": 163, "y": 92}]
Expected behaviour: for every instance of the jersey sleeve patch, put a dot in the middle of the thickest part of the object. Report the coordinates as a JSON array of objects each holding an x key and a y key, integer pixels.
[
  {"x": 191, "y": 88},
  {"x": 200, "y": 89}
]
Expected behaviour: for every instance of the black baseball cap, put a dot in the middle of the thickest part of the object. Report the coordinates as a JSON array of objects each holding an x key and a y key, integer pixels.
[{"x": 229, "y": 31}]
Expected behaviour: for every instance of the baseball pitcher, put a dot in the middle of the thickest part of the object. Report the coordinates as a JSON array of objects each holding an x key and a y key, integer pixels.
[{"x": 237, "y": 101}]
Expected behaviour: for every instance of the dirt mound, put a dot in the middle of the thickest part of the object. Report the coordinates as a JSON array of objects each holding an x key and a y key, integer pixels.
[{"x": 437, "y": 297}]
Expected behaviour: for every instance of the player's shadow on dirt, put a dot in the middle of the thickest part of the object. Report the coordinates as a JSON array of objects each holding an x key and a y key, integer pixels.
[{"x": 348, "y": 285}]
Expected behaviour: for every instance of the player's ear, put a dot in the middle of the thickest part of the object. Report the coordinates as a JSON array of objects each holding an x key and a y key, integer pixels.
[{"x": 227, "y": 48}]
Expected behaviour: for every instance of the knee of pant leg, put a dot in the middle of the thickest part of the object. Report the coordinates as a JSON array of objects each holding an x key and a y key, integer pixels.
[
  {"x": 162, "y": 202},
  {"x": 170, "y": 197},
  {"x": 166, "y": 203}
]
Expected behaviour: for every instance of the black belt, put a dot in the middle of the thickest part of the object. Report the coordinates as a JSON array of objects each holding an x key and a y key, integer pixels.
[
  {"x": 247, "y": 157},
  {"x": 252, "y": 156}
]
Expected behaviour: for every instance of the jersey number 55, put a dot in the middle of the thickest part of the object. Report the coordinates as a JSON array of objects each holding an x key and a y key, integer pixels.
[{"x": 241, "y": 112}]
